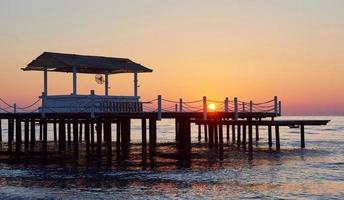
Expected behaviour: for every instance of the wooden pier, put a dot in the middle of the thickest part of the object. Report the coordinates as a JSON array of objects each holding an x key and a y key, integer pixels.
[
  {"x": 83, "y": 123},
  {"x": 95, "y": 133}
]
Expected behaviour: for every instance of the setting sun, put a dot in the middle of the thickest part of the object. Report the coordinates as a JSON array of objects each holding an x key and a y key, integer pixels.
[{"x": 212, "y": 106}]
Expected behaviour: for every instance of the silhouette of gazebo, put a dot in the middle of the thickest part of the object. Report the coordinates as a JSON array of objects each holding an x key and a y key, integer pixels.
[{"x": 71, "y": 63}]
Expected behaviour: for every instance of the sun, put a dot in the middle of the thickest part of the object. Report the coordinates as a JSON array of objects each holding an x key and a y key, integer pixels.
[{"x": 212, "y": 106}]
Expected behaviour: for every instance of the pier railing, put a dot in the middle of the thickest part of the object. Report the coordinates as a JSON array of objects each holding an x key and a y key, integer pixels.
[{"x": 100, "y": 104}]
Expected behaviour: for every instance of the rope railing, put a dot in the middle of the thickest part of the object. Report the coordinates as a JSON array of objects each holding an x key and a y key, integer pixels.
[{"x": 154, "y": 105}]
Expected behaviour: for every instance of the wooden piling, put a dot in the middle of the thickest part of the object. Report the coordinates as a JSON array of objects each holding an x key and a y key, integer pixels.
[
  {"x": 75, "y": 136},
  {"x": 238, "y": 136},
  {"x": 233, "y": 134},
  {"x": 45, "y": 136},
  {"x": 144, "y": 135},
  {"x": 250, "y": 142},
  {"x": 257, "y": 133},
  {"x": 216, "y": 134},
  {"x": 32, "y": 135},
  {"x": 40, "y": 130},
  {"x": 107, "y": 133},
  {"x": 221, "y": 141},
  {"x": 302, "y": 129},
  {"x": 92, "y": 134},
  {"x": 55, "y": 130},
  {"x": 244, "y": 137},
  {"x": 80, "y": 132},
  {"x": 270, "y": 136},
  {"x": 26, "y": 135},
  {"x": 211, "y": 134},
  {"x": 87, "y": 137},
  {"x": 69, "y": 134},
  {"x": 62, "y": 135},
  {"x": 118, "y": 138},
  {"x": 277, "y": 138},
  {"x": 227, "y": 132},
  {"x": 10, "y": 133},
  {"x": 205, "y": 132},
  {"x": 99, "y": 136},
  {"x": 199, "y": 132},
  {"x": 0, "y": 131},
  {"x": 18, "y": 135},
  {"x": 152, "y": 136}
]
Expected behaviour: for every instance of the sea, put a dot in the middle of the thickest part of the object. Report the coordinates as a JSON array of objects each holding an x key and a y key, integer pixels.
[{"x": 316, "y": 172}]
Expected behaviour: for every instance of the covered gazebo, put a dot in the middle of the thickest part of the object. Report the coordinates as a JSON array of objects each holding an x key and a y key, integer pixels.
[{"x": 72, "y": 63}]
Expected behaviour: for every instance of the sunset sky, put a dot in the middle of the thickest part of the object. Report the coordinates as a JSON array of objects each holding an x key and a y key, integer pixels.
[{"x": 251, "y": 49}]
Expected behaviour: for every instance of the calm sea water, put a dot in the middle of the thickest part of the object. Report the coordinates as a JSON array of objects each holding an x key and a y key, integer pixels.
[{"x": 316, "y": 172}]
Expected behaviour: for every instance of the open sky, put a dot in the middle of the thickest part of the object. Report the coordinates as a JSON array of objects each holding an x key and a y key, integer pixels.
[{"x": 251, "y": 49}]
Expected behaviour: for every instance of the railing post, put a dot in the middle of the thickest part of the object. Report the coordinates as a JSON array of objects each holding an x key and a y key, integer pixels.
[
  {"x": 243, "y": 107},
  {"x": 251, "y": 106},
  {"x": 276, "y": 104},
  {"x": 205, "y": 108},
  {"x": 279, "y": 108},
  {"x": 176, "y": 108},
  {"x": 235, "y": 108},
  {"x": 226, "y": 104},
  {"x": 159, "y": 107},
  {"x": 14, "y": 108},
  {"x": 92, "y": 104},
  {"x": 180, "y": 105}
]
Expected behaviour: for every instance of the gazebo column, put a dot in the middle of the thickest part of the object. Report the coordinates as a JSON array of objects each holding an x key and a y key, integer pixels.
[
  {"x": 106, "y": 83},
  {"x": 135, "y": 84},
  {"x": 74, "y": 81},
  {"x": 45, "y": 81}
]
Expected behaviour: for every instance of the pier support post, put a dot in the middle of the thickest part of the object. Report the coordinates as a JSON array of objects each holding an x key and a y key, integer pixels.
[
  {"x": 10, "y": 133},
  {"x": 216, "y": 135},
  {"x": 40, "y": 130},
  {"x": 75, "y": 137},
  {"x": 270, "y": 136},
  {"x": 62, "y": 135},
  {"x": 26, "y": 135},
  {"x": 69, "y": 134},
  {"x": 18, "y": 135},
  {"x": 238, "y": 136},
  {"x": 0, "y": 132},
  {"x": 107, "y": 133},
  {"x": 152, "y": 136},
  {"x": 257, "y": 133},
  {"x": 277, "y": 138},
  {"x": 302, "y": 129},
  {"x": 221, "y": 140},
  {"x": 87, "y": 136},
  {"x": 118, "y": 138},
  {"x": 227, "y": 132},
  {"x": 80, "y": 132},
  {"x": 244, "y": 137},
  {"x": 55, "y": 131},
  {"x": 33, "y": 134},
  {"x": 92, "y": 134},
  {"x": 184, "y": 144},
  {"x": 233, "y": 134},
  {"x": 99, "y": 136},
  {"x": 144, "y": 138},
  {"x": 45, "y": 136},
  {"x": 250, "y": 142},
  {"x": 205, "y": 132},
  {"x": 211, "y": 134}
]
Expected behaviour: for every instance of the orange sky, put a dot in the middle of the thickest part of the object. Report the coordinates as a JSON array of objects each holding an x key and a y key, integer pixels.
[{"x": 249, "y": 49}]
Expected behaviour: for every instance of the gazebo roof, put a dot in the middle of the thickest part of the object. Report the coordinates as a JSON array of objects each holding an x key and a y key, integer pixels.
[{"x": 61, "y": 62}]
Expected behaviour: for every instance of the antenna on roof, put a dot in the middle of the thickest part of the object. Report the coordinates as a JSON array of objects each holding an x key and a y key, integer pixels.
[{"x": 100, "y": 79}]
